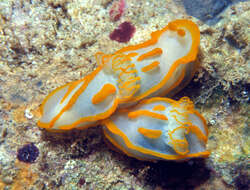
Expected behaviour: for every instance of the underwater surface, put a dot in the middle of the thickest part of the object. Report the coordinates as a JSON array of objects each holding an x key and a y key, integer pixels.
[{"x": 45, "y": 44}]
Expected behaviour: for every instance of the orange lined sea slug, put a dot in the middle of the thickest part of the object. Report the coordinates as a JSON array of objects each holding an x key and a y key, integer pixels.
[
  {"x": 159, "y": 129},
  {"x": 160, "y": 66}
]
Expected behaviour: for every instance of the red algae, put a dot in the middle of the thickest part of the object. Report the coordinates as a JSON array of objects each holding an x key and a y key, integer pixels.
[
  {"x": 117, "y": 10},
  {"x": 123, "y": 33}
]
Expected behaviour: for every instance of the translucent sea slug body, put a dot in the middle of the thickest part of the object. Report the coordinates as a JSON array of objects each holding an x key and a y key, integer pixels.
[
  {"x": 160, "y": 66},
  {"x": 158, "y": 129}
]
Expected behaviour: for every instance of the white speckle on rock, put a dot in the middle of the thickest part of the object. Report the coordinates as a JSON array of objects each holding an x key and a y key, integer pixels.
[{"x": 27, "y": 114}]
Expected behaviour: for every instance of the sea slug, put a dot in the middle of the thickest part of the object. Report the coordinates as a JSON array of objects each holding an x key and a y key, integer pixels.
[
  {"x": 158, "y": 129},
  {"x": 160, "y": 66}
]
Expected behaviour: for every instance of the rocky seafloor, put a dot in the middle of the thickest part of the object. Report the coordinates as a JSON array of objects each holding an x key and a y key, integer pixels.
[{"x": 47, "y": 43}]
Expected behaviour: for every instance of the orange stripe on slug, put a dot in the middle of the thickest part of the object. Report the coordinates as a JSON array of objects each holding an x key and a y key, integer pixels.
[
  {"x": 159, "y": 108},
  {"x": 130, "y": 91},
  {"x": 133, "y": 54},
  {"x": 172, "y": 26},
  {"x": 182, "y": 123},
  {"x": 125, "y": 70},
  {"x": 127, "y": 75},
  {"x": 102, "y": 58},
  {"x": 68, "y": 127},
  {"x": 196, "y": 130},
  {"x": 41, "y": 108},
  {"x": 181, "y": 32},
  {"x": 150, "y": 133},
  {"x": 150, "y": 54},
  {"x": 119, "y": 60},
  {"x": 129, "y": 81},
  {"x": 106, "y": 90},
  {"x": 184, "y": 114},
  {"x": 150, "y": 67},
  {"x": 138, "y": 113},
  {"x": 70, "y": 89},
  {"x": 180, "y": 145}
]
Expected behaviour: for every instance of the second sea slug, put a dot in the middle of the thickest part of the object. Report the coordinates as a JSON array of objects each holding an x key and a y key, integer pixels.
[
  {"x": 159, "y": 129},
  {"x": 160, "y": 66}
]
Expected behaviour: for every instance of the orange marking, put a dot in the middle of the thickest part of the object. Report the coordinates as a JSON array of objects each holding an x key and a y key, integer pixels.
[
  {"x": 133, "y": 54},
  {"x": 172, "y": 26},
  {"x": 70, "y": 89},
  {"x": 150, "y": 133},
  {"x": 184, "y": 114},
  {"x": 130, "y": 91},
  {"x": 159, "y": 107},
  {"x": 68, "y": 127},
  {"x": 127, "y": 76},
  {"x": 106, "y": 90},
  {"x": 125, "y": 70},
  {"x": 129, "y": 81},
  {"x": 99, "y": 57},
  {"x": 181, "y": 32},
  {"x": 196, "y": 130},
  {"x": 180, "y": 145},
  {"x": 182, "y": 123},
  {"x": 150, "y": 54},
  {"x": 102, "y": 58},
  {"x": 186, "y": 103},
  {"x": 119, "y": 60},
  {"x": 41, "y": 108},
  {"x": 150, "y": 67},
  {"x": 138, "y": 113},
  {"x": 115, "y": 130}
]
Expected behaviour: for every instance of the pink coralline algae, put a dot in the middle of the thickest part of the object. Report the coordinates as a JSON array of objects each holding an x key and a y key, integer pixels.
[
  {"x": 117, "y": 10},
  {"x": 123, "y": 33}
]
